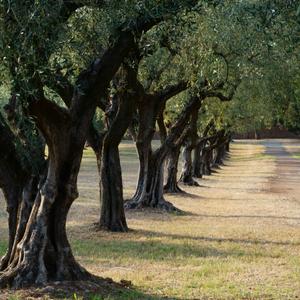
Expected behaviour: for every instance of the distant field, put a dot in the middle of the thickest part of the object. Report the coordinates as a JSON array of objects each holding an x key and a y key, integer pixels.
[{"x": 239, "y": 238}]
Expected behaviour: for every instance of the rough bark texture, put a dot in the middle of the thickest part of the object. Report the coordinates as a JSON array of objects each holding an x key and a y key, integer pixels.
[
  {"x": 171, "y": 185},
  {"x": 148, "y": 109},
  {"x": 42, "y": 252},
  {"x": 12, "y": 181},
  {"x": 197, "y": 161},
  {"x": 112, "y": 216},
  {"x": 187, "y": 168},
  {"x": 220, "y": 153},
  {"x": 150, "y": 187},
  {"x": 149, "y": 191},
  {"x": 198, "y": 151},
  {"x": 190, "y": 143}
]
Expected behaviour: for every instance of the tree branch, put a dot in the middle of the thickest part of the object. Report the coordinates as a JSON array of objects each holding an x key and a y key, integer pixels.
[
  {"x": 223, "y": 97},
  {"x": 171, "y": 91}
]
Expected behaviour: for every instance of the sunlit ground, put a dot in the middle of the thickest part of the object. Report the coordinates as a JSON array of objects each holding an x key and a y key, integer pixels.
[{"x": 238, "y": 239}]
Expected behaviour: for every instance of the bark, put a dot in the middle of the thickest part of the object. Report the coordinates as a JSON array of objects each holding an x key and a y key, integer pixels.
[
  {"x": 112, "y": 216},
  {"x": 197, "y": 162},
  {"x": 12, "y": 198},
  {"x": 205, "y": 163},
  {"x": 147, "y": 111},
  {"x": 13, "y": 177},
  {"x": 149, "y": 108},
  {"x": 190, "y": 143},
  {"x": 43, "y": 252},
  {"x": 151, "y": 188},
  {"x": 150, "y": 193},
  {"x": 220, "y": 153},
  {"x": 187, "y": 168},
  {"x": 171, "y": 185},
  {"x": 217, "y": 143},
  {"x": 228, "y": 145},
  {"x": 198, "y": 151}
]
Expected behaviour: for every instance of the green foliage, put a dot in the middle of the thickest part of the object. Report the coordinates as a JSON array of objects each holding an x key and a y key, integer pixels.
[
  {"x": 219, "y": 41},
  {"x": 253, "y": 40}
]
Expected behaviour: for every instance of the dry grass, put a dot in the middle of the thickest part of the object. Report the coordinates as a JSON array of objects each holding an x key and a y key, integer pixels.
[{"x": 239, "y": 238}]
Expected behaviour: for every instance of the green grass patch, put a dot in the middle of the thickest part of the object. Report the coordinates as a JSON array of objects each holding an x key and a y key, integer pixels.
[
  {"x": 3, "y": 247},
  {"x": 296, "y": 155}
]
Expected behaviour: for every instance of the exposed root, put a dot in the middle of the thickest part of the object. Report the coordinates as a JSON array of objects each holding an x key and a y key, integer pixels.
[
  {"x": 162, "y": 204},
  {"x": 27, "y": 274},
  {"x": 167, "y": 206},
  {"x": 114, "y": 227},
  {"x": 83, "y": 289},
  {"x": 132, "y": 204},
  {"x": 197, "y": 175},
  {"x": 4, "y": 261},
  {"x": 213, "y": 172},
  {"x": 174, "y": 189},
  {"x": 189, "y": 182}
]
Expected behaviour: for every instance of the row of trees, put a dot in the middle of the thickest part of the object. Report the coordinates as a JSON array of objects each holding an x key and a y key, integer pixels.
[{"x": 77, "y": 72}]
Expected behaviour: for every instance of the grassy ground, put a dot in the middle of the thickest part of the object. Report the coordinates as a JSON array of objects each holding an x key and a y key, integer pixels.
[{"x": 238, "y": 239}]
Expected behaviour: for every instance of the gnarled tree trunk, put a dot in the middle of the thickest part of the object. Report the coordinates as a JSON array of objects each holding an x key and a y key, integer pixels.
[
  {"x": 220, "y": 155},
  {"x": 197, "y": 162},
  {"x": 112, "y": 216},
  {"x": 152, "y": 189},
  {"x": 41, "y": 251},
  {"x": 190, "y": 143},
  {"x": 151, "y": 193},
  {"x": 171, "y": 185},
  {"x": 187, "y": 167},
  {"x": 15, "y": 181}
]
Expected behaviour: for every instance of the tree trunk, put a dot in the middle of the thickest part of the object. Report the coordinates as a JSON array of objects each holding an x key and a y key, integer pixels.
[
  {"x": 151, "y": 193},
  {"x": 228, "y": 146},
  {"x": 172, "y": 168},
  {"x": 187, "y": 168},
  {"x": 123, "y": 106},
  {"x": 112, "y": 216},
  {"x": 208, "y": 161},
  {"x": 13, "y": 199},
  {"x": 14, "y": 180},
  {"x": 144, "y": 153},
  {"x": 220, "y": 155},
  {"x": 41, "y": 251},
  {"x": 190, "y": 143},
  {"x": 197, "y": 162},
  {"x": 205, "y": 162}
]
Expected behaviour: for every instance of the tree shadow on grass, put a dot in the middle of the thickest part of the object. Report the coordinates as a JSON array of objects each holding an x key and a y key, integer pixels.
[
  {"x": 151, "y": 249},
  {"x": 176, "y": 248},
  {"x": 249, "y": 217},
  {"x": 220, "y": 240},
  {"x": 188, "y": 195},
  {"x": 96, "y": 289}
]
